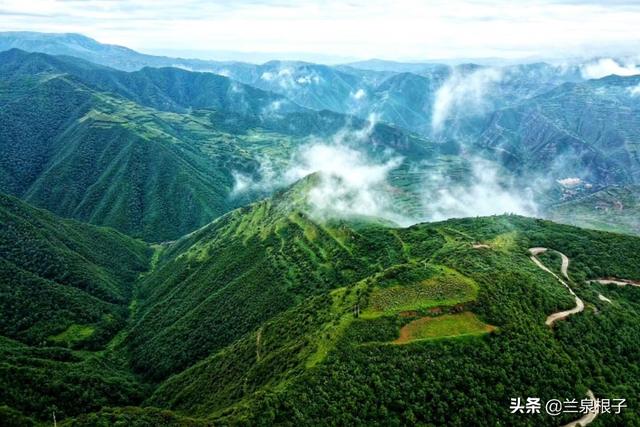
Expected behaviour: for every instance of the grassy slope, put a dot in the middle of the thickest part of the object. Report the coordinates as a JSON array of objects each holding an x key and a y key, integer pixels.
[
  {"x": 445, "y": 326},
  {"x": 266, "y": 256}
]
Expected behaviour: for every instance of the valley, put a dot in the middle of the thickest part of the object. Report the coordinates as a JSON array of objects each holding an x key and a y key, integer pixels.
[{"x": 189, "y": 242}]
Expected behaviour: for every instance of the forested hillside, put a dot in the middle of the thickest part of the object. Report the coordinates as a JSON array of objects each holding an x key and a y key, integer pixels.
[
  {"x": 197, "y": 243},
  {"x": 318, "y": 362},
  {"x": 586, "y": 130},
  {"x": 75, "y": 140},
  {"x": 63, "y": 285},
  {"x": 58, "y": 274},
  {"x": 268, "y": 315}
]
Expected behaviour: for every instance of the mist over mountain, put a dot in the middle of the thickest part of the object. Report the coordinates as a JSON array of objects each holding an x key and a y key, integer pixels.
[
  {"x": 195, "y": 242},
  {"x": 457, "y": 107}
]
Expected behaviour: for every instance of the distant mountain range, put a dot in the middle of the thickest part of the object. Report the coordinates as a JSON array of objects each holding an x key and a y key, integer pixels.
[
  {"x": 528, "y": 118},
  {"x": 197, "y": 243},
  {"x": 152, "y": 152}
]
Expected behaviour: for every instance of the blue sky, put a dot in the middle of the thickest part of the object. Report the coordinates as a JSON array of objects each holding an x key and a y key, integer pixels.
[{"x": 399, "y": 30}]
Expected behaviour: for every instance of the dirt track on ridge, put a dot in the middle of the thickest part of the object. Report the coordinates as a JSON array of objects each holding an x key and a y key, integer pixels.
[
  {"x": 552, "y": 318},
  {"x": 590, "y": 416}
]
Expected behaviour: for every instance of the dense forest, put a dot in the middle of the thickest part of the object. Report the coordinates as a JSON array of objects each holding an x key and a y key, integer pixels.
[
  {"x": 311, "y": 323},
  {"x": 139, "y": 286}
]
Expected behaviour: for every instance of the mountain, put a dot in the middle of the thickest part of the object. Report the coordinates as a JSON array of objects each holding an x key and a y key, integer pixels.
[
  {"x": 382, "y": 65},
  {"x": 528, "y": 117},
  {"x": 406, "y": 99},
  {"x": 614, "y": 208},
  {"x": 402, "y": 95},
  {"x": 77, "y": 45},
  {"x": 166, "y": 89},
  {"x": 271, "y": 315},
  {"x": 63, "y": 285},
  {"x": 582, "y": 130},
  {"x": 310, "y": 85},
  {"x": 135, "y": 151},
  {"x": 60, "y": 273},
  {"x": 485, "y": 307},
  {"x": 314, "y": 86},
  {"x": 97, "y": 157},
  {"x": 310, "y": 319},
  {"x": 268, "y": 255}
]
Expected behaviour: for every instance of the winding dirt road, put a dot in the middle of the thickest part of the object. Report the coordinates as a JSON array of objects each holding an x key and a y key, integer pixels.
[
  {"x": 619, "y": 282},
  {"x": 590, "y": 416},
  {"x": 552, "y": 318}
]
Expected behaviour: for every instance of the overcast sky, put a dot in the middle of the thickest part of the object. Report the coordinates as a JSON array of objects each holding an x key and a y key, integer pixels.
[{"x": 399, "y": 29}]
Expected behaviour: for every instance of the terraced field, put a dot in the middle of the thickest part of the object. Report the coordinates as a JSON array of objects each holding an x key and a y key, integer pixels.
[{"x": 445, "y": 326}]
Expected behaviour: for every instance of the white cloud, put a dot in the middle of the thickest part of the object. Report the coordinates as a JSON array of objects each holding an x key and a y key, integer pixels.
[
  {"x": 235, "y": 87},
  {"x": 607, "y": 66},
  {"x": 267, "y": 76},
  {"x": 463, "y": 92},
  {"x": 359, "y": 94},
  {"x": 242, "y": 182},
  {"x": 269, "y": 180},
  {"x": 413, "y": 29},
  {"x": 635, "y": 90},
  {"x": 485, "y": 194},
  {"x": 305, "y": 80},
  {"x": 285, "y": 78},
  {"x": 273, "y": 108},
  {"x": 350, "y": 183}
]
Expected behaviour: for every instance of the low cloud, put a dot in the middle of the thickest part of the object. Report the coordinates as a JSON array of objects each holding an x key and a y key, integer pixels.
[
  {"x": 358, "y": 95},
  {"x": 463, "y": 93},
  {"x": 635, "y": 90},
  {"x": 264, "y": 181},
  {"x": 288, "y": 78},
  {"x": 350, "y": 183},
  {"x": 607, "y": 66},
  {"x": 273, "y": 108},
  {"x": 483, "y": 194}
]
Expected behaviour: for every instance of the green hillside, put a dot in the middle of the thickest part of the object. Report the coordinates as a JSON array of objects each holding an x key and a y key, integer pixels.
[
  {"x": 266, "y": 255},
  {"x": 268, "y": 315},
  {"x": 84, "y": 141},
  {"x": 63, "y": 285},
  {"x": 316, "y": 361},
  {"x": 305, "y": 358},
  {"x": 108, "y": 162},
  {"x": 58, "y": 273}
]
